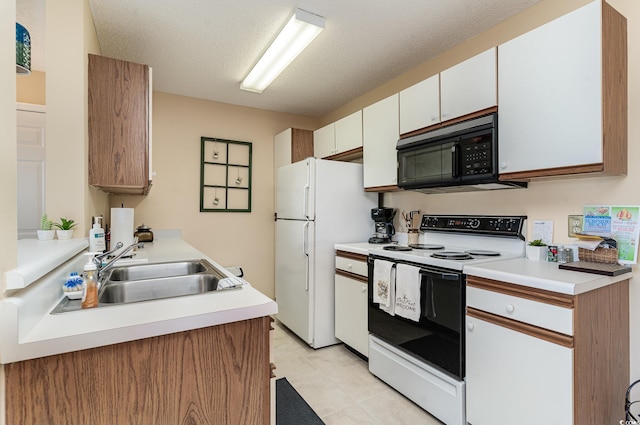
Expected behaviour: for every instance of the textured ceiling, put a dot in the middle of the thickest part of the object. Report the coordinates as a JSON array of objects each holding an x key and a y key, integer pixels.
[{"x": 204, "y": 48}]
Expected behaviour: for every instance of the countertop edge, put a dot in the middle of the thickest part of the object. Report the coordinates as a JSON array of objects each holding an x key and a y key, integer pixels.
[
  {"x": 550, "y": 277},
  {"x": 29, "y": 331}
]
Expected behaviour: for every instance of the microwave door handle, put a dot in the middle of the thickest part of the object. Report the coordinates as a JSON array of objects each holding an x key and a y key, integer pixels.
[{"x": 454, "y": 161}]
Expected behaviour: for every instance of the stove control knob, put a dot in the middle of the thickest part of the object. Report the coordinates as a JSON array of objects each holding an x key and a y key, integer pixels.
[
  {"x": 474, "y": 223},
  {"x": 510, "y": 308}
]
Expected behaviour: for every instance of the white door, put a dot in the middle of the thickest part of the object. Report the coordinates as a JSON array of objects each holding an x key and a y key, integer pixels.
[
  {"x": 294, "y": 271},
  {"x": 30, "y": 168},
  {"x": 513, "y": 378},
  {"x": 295, "y": 190}
]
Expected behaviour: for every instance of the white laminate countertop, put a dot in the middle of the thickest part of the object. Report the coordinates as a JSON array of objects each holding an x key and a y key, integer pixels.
[
  {"x": 37, "y": 258},
  {"x": 361, "y": 248},
  {"x": 29, "y": 331},
  {"x": 543, "y": 275}
]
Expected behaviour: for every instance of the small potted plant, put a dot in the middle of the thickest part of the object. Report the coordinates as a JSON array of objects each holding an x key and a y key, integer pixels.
[
  {"x": 65, "y": 228},
  {"x": 537, "y": 250},
  {"x": 45, "y": 233}
]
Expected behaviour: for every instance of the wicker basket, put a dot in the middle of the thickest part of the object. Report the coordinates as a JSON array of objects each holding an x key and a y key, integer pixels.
[{"x": 599, "y": 255}]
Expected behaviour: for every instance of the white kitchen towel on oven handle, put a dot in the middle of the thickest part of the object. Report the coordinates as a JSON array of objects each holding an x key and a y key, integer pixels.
[
  {"x": 382, "y": 282},
  {"x": 407, "y": 296}
]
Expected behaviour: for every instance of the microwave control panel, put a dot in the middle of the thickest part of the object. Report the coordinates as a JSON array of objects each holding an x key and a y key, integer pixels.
[{"x": 476, "y": 155}]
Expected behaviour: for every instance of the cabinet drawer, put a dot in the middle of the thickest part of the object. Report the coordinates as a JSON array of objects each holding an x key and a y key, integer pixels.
[
  {"x": 552, "y": 317},
  {"x": 352, "y": 266}
]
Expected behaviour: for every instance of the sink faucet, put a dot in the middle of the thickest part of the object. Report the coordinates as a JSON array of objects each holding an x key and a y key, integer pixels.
[{"x": 98, "y": 259}]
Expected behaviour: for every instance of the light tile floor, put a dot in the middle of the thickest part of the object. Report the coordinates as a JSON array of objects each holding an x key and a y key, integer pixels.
[{"x": 338, "y": 386}]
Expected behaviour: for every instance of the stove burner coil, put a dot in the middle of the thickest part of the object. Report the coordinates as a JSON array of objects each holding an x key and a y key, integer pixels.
[
  {"x": 483, "y": 252},
  {"x": 397, "y": 248},
  {"x": 426, "y": 246},
  {"x": 452, "y": 255}
]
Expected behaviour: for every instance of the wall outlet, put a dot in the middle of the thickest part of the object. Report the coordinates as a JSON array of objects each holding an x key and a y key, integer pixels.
[{"x": 574, "y": 225}]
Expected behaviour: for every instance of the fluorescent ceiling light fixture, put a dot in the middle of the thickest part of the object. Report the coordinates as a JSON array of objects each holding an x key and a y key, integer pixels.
[{"x": 301, "y": 29}]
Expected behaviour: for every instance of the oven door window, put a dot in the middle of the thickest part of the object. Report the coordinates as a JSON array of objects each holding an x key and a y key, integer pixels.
[{"x": 432, "y": 163}]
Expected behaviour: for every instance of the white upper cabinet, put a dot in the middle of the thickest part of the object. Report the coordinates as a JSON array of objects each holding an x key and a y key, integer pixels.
[
  {"x": 324, "y": 141},
  {"x": 562, "y": 96},
  {"x": 469, "y": 86},
  {"x": 420, "y": 105},
  {"x": 349, "y": 132},
  {"x": 338, "y": 137},
  {"x": 381, "y": 131},
  {"x": 282, "y": 149}
]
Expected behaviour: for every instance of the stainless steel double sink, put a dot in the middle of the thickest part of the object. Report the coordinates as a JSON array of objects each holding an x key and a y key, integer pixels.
[{"x": 146, "y": 282}]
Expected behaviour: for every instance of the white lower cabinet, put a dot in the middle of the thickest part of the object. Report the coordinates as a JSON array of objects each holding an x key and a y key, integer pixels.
[
  {"x": 514, "y": 378},
  {"x": 351, "y": 313},
  {"x": 351, "y": 302},
  {"x": 535, "y": 356}
]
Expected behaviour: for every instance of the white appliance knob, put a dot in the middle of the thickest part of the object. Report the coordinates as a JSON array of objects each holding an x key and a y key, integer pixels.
[
  {"x": 503, "y": 165},
  {"x": 470, "y": 326},
  {"x": 510, "y": 308}
]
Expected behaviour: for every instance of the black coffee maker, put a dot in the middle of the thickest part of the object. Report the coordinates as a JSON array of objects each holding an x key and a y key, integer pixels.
[{"x": 383, "y": 221}]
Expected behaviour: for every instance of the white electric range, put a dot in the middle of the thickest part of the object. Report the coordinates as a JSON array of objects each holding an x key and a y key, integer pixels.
[{"x": 423, "y": 358}]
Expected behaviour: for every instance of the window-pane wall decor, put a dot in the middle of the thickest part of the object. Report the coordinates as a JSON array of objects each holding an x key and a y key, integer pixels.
[{"x": 225, "y": 175}]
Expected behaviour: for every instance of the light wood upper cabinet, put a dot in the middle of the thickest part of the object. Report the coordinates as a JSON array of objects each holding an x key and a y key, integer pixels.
[
  {"x": 563, "y": 97},
  {"x": 469, "y": 86},
  {"x": 292, "y": 145},
  {"x": 119, "y": 125},
  {"x": 420, "y": 105},
  {"x": 339, "y": 137},
  {"x": 381, "y": 131}
]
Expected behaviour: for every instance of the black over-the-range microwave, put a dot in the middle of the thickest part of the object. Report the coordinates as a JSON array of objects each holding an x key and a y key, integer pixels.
[{"x": 455, "y": 158}]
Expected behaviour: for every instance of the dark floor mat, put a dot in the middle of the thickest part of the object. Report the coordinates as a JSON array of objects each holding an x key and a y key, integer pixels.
[{"x": 291, "y": 409}]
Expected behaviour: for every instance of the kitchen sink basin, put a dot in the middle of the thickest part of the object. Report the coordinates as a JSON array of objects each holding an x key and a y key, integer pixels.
[
  {"x": 131, "y": 291},
  {"x": 146, "y": 282},
  {"x": 157, "y": 270}
]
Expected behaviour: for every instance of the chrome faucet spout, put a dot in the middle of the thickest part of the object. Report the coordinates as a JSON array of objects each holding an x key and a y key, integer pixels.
[
  {"x": 97, "y": 260},
  {"x": 110, "y": 264}
]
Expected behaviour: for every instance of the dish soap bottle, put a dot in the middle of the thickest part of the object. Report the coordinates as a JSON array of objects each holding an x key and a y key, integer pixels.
[
  {"x": 97, "y": 242},
  {"x": 90, "y": 285}
]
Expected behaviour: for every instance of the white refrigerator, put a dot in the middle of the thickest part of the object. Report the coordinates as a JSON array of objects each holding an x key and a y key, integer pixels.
[{"x": 318, "y": 203}]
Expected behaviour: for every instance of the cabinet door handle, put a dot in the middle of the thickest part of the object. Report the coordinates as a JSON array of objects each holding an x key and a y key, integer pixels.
[
  {"x": 510, "y": 308},
  {"x": 350, "y": 266},
  {"x": 364, "y": 289},
  {"x": 470, "y": 326}
]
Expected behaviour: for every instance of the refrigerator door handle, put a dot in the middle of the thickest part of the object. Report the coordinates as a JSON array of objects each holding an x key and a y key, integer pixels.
[
  {"x": 305, "y": 199},
  {"x": 305, "y": 252}
]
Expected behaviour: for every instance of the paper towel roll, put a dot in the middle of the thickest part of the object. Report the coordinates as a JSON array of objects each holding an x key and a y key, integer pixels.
[{"x": 121, "y": 227}]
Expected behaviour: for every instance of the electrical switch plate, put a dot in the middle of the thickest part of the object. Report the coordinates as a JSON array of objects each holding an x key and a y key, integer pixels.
[{"x": 574, "y": 225}]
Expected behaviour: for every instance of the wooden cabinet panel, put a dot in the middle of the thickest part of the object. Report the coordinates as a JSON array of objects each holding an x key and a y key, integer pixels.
[
  {"x": 119, "y": 125},
  {"x": 292, "y": 145},
  {"x": 209, "y": 376}
]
